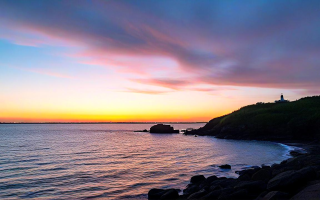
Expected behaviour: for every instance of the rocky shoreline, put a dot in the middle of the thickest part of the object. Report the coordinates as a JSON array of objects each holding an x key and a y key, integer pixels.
[{"x": 295, "y": 178}]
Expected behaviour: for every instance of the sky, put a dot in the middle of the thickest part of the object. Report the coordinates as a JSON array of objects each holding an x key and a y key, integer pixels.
[{"x": 139, "y": 60}]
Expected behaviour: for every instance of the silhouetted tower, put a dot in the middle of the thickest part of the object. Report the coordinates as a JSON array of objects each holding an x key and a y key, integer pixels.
[{"x": 282, "y": 100}]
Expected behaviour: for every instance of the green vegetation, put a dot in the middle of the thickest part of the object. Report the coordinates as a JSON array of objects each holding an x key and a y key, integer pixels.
[{"x": 298, "y": 120}]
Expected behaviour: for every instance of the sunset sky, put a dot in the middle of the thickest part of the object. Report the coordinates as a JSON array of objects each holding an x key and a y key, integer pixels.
[{"x": 139, "y": 60}]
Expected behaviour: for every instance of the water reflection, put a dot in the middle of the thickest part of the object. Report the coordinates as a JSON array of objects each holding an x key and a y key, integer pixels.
[{"x": 111, "y": 161}]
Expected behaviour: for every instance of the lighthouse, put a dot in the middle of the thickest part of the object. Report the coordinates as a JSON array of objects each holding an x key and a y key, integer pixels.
[
  {"x": 282, "y": 100},
  {"x": 281, "y": 97}
]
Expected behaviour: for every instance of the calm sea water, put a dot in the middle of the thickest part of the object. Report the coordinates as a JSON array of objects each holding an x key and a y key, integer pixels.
[{"x": 110, "y": 161}]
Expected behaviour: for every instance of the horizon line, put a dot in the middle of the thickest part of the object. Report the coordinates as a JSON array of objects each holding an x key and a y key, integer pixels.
[{"x": 100, "y": 122}]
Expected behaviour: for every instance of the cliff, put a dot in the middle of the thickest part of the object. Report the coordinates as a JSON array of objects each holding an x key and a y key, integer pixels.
[{"x": 297, "y": 120}]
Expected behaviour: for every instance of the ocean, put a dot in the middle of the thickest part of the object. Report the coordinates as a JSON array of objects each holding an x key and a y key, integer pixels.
[{"x": 110, "y": 161}]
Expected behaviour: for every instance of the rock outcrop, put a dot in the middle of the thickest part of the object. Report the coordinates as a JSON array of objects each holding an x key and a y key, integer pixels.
[
  {"x": 268, "y": 121},
  {"x": 161, "y": 128},
  {"x": 296, "y": 178}
]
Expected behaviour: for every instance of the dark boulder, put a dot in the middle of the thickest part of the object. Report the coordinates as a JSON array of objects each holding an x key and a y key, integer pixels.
[
  {"x": 161, "y": 128},
  {"x": 223, "y": 183},
  {"x": 239, "y": 194},
  {"x": 244, "y": 177},
  {"x": 292, "y": 179},
  {"x": 155, "y": 194},
  {"x": 144, "y": 130},
  {"x": 226, "y": 166},
  {"x": 170, "y": 194},
  {"x": 296, "y": 153},
  {"x": 212, "y": 195},
  {"x": 191, "y": 188},
  {"x": 218, "y": 193},
  {"x": 262, "y": 174},
  {"x": 208, "y": 181},
  {"x": 197, "y": 179},
  {"x": 254, "y": 187},
  {"x": 310, "y": 192},
  {"x": 198, "y": 194},
  {"x": 275, "y": 195}
]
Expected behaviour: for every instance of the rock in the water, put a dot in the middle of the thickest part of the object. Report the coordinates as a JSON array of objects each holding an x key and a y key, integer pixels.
[
  {"x": 161, "y": 128},
  {"x": 226, "y": 166},
  {"x": 296, "y": 153},
  {"x": 144, "y": 130},
  {"x": 197, "y": 179},
  {"x": 310, "y": 192}
]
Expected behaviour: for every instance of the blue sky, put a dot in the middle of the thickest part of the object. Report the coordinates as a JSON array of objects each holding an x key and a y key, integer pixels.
[{"x": 109, "y": 56}]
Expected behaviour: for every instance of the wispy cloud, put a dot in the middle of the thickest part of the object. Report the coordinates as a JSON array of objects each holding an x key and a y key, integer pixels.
[
  {"x": 175, "y": 84},
  {"x": 257, "y": 44},
  {"x": 45, "y": 72},
  {"x": 142, "y": 91}
]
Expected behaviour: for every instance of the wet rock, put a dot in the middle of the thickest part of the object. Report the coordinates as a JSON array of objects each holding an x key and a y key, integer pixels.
[
  {"x": 252, "y": 186},
  {"x": 217, "y": 193},
  {"x": 276, "y": 166},
  {"x": 208, "y": 181},
  {"x": 265, "y": 166},
  {"x": 144, "y": 130},
  {"x": 170, "y": 194},
  {"x": 155, "y": 193},
  {"x": 255, "y": 167},
  {"x": 226, "y": 166},
  {"x": 310, "y": 192},
  {"x": 244, "y": 177},
  {"x": 262, "y": 174},
  {"x": 285, "y": 168},
  {"x": 198, "y": 194},
  {"x": 212, "y": 195},
  {"x": 190, "y": 189},
  {"x": 275, "y": 195},
  {"x": 224, "y": 183},
  {"x": 296, "y": 153},
  {"x": 162, "y": 128},
  {"x": 197, "y": 179},
  {"x": 215, "y": 187},
  {"x": 240, "y": 194},
  {"x": 292, "y": 179}
]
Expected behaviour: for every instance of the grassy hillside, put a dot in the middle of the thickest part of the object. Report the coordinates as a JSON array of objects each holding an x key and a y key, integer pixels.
[{"x": 298, "y": 120}]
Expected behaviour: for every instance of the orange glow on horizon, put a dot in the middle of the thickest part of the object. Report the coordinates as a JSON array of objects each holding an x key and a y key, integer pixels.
[{"x": 69, "y": 117}]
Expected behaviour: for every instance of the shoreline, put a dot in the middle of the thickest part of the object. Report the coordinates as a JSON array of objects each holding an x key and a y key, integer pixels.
[{"x": 294, "y": 178}]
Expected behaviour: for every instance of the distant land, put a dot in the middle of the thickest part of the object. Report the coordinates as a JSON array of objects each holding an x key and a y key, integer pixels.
[
  {"x": 285, "y": 121},
  {"x": 101, "y": 122}
]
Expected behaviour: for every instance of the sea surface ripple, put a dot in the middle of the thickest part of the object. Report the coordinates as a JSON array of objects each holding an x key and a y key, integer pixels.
[{"x": 110, "y": 161}]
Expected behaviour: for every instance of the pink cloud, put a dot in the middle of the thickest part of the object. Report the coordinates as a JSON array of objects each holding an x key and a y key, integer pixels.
[
  {"x": 142, "y": 91},
  {"x": 46, "y": 72},
  {"x": 198, "y": 38}
]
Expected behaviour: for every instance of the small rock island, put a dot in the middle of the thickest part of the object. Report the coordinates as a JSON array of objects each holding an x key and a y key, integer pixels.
[{"x": 162, "y": 128}]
